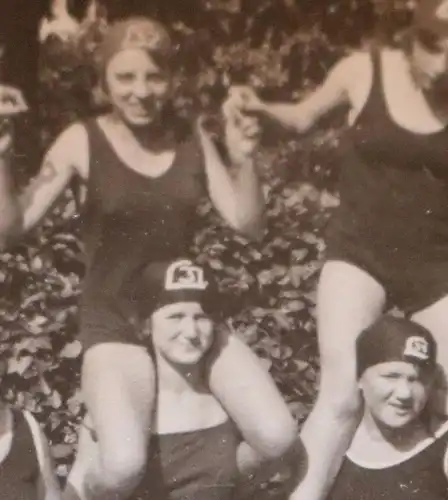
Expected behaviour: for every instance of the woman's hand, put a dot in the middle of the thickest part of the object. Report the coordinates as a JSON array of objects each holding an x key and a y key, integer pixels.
[
  {"x": 242, "y": 129},
  {"x": 12, "y": 103},
  {"x": 245, "y": 99}
]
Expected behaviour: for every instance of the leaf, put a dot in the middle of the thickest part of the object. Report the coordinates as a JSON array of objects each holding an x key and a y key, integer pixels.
[
  {"x": 20, "y": 365},
  {"x": 37, "y": 324},
  {"x": 282, "y": 320},
  {"x": 61, "y": 450},
  {"x": 294, "y": 306},
  {"x": 71, "y": 350},
  {"x": 249, "y": 334},
  {"x": 301, "y": 365}
]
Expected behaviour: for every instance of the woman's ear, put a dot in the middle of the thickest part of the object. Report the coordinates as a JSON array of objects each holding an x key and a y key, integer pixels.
[{"x": 145, "y": 329}]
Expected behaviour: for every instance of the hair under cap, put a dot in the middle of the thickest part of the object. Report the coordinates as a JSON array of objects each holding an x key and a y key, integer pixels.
[
  {"x": 394, "y": 339},
  {"x": 432, "y": 16},
  {"x": 134, "y": 33},
  {"x": 164, "y": 283}
]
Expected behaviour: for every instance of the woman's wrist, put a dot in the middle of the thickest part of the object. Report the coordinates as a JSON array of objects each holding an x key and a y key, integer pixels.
[{"x": 262, "y": 108}]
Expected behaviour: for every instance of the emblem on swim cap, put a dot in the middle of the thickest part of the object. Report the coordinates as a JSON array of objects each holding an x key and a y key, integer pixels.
[
  {"x": 134, "y": 33},
  {"x": 183, "y": 274},
  {"x": 138, "y": 35},
  {"x": 395, "y": 339},
  {"x": 417, "y": 347}
]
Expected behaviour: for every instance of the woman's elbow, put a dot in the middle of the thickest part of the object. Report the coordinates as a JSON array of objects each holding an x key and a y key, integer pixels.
[{"x": 252, "y": 228}]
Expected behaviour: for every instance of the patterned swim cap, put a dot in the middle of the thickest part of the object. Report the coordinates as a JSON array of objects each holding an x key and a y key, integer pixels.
[
  {"x": 394, "y": 339},
  {"x": 135, "y": 33},
  {"x": 164, "y": 283}
]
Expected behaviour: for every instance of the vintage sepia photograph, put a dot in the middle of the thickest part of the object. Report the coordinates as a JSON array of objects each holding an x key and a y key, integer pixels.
[{"x": 223, "y": 249}]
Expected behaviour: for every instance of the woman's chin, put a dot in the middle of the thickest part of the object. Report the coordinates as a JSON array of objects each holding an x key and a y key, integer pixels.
[{"x": 139, "y": 121}]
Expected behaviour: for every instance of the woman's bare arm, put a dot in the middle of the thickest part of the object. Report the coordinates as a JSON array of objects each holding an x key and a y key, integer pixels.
[
  {"x": 235, "y": 192},
  {"x": 303, "y": 115},
  {"x": 66, "y": 157}
]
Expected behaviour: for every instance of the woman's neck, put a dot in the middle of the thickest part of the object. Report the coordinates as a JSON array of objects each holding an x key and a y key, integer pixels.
[
  {"x": 402, "y": 438},
  {"x": 152, "y": 137},
  {"x": 179, "y": 379}
]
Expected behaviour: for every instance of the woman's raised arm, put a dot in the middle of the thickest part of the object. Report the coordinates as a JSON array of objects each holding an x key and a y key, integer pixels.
[
  {"x": 67, "y": 157},
  {"x": 235, "y": 193},
  {"x": 305, "y": 114}
]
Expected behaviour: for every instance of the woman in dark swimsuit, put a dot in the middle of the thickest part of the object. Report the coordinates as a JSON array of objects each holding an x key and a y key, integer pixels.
[
  {"x": 388, "y": 240},
  {"x": 399, "y": 451},
  {"x": 144, "y": 183},
  {"x": 196, "y": 451}
]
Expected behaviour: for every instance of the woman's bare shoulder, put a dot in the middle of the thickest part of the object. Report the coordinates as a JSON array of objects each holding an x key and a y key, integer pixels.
[
  {"x": 71, "y": 148},
  {"x": 351, "y": 68}
]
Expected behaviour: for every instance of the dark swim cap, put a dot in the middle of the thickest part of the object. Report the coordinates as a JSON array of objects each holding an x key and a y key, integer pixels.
[
  {"x": 394, "y": 339},
  {"x": 164, "y": 283},
  {"x": 135, "y": 33},
  {"x": 432, "y": 16}
]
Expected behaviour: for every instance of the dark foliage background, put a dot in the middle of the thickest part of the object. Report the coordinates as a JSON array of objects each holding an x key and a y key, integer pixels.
[{"x": 283, "y": 48}]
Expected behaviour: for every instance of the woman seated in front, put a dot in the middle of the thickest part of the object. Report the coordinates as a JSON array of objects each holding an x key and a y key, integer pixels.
[
  {"x": 195, "y": 451},
  {"x": 399, "y": 451}
]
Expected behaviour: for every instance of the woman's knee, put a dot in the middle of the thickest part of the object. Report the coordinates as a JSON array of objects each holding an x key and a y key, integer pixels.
[
  {"x": 277, "y": 437},
  {"x": 122, "y": 469},
  {"x": 118, "y": 388},
  {"x": 116, "y": 377},
  {"x": 250, "y": 396}
]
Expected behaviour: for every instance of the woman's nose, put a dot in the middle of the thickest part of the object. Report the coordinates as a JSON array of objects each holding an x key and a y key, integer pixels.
[
  {"x": 141, "y": 89},
  {"x": 403, "y": 390},
  {"x": 190, "y": 328}
]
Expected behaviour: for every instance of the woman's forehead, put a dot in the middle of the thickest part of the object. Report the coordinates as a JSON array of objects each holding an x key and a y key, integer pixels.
[
  {"x": 187, "y": 308},
  {"x": 134, "y": 58},
  {"x": 402, "y": 367}
]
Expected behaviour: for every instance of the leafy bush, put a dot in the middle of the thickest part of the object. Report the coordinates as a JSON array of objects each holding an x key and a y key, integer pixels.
[{"x": 275, "y": 280}]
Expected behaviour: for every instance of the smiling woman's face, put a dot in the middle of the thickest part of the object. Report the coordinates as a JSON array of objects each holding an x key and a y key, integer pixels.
[
  {"x": 137, "y": 86},
  {"x": 396, "y": 392},
  {"x": 182, "y": 333},
  {"x": 429, "y": 57}
]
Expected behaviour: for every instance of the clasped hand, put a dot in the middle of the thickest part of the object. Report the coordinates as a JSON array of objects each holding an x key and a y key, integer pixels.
[
  {"x": 242, "y": 125},
  {"x": 12, "y": 103}
]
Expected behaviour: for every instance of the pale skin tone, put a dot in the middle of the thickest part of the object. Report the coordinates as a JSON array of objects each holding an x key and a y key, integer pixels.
[
  {"x": 69, "y": 156},
  {"x": 182, "y": 334},
  {"x": 137, "y": 87},
  {"x": 395, "y": 393},
  {"x": 343, "y": 313}
]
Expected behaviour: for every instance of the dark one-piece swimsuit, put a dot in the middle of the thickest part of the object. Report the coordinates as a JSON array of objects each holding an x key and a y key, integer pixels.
[
  {"x": 130, "y": 220},
  {"x": 392, "y": 221}
]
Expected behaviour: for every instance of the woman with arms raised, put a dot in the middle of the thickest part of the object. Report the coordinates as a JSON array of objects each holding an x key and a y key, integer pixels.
[{"x": 144, "y": 182}]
